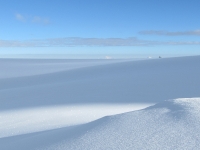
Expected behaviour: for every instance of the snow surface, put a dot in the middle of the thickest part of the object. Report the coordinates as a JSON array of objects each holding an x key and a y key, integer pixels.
[
  {"x": 28, "y": 67},
  {"x": 53, "y": 104},
  {"x": 172, "y": 124},
  {"x": 31, "y": 120}
]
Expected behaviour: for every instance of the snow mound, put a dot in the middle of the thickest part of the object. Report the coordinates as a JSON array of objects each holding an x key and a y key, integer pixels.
[
  {"x": 39, "y": 107},
  {"x": 172, "y": 124}
]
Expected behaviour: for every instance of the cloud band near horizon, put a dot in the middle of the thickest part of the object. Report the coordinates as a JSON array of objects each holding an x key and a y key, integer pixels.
[
  {"x": 168, "y": 33},
  {"x": 99, "y": 42}
]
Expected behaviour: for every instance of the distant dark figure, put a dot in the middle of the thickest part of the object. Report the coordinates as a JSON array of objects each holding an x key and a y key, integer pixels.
[{"x": 160, "y": 57}]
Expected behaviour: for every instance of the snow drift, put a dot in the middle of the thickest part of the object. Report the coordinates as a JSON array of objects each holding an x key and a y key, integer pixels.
[
  {"x": 41, "y": 99},
  {"x": 172, "y": 124},
  {"x": 147, "y": 81}
]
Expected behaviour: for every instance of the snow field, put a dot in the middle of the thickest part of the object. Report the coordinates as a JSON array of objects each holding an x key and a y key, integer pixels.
[{"x": 56, "y": 104}]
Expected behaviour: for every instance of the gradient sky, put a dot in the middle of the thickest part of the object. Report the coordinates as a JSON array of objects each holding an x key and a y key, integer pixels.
[{"x": 99, "y": 28}]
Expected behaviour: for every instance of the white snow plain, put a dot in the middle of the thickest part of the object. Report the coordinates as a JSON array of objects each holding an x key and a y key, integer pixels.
[{"x": 56, "y": 104}]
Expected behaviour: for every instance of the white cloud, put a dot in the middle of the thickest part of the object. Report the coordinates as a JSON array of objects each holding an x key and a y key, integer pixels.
[
  {"x": 15, "y": 43},
  {"x": 99, "y": 42},
  {"x": 168, "y": 33},
  {"x": 108, "y": 57},
  {"x": 19, "y": 17},
  {"x": 37, "y": 19},
  {"x": 34, "y": 19}
]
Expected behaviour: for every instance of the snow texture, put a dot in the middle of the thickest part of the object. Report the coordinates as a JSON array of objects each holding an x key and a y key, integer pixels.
[
  {"x": 172, "y": 124},
  {"x": 54, "y": 104}
]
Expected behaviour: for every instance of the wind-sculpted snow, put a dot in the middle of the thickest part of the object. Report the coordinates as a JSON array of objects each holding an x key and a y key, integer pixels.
[
  {"x": 172, "y": 124},
  {"x": 43, "y": 105},
  {"x": 30, "y": 120},
  {"x": 169, "y": 125},
  {"x": 146, "y": 81},
  {"x": 28, "y": 67}
]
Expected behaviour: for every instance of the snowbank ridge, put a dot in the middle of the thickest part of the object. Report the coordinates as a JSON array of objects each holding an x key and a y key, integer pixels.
[
  {"x": 172, "y": 124},
  {"x": 62, "y": 86}
]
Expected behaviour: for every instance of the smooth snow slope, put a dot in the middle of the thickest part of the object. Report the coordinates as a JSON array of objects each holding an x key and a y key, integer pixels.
[
  {"x": 55, "y": 95},
  {"x": 172, "y": 124},
  {"x": 28, "y": 67},
  {"x": 147, "y": 81},
  {"x": 21, "y": 119}
]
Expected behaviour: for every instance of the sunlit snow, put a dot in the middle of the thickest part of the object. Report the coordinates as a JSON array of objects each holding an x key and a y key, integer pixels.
[{"x": 100, "y": 104}]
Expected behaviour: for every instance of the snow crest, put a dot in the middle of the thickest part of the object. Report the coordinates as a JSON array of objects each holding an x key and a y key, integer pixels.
[
  {"x": 172, "y": 124},
  {"x": 48, "y": 107}
]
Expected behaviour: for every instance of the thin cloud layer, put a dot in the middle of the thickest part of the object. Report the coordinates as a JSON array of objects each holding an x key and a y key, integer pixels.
[
  {"x": 78, "y": 41},
  {"x": 40, "y": 20},
  {"x": 15, "y": 43},
  {"x": 168, "y": 33},
  {"x": 20, "y": 17},
  {"x": 99, "y": 42},
  {"x": 34, "y": 19}
]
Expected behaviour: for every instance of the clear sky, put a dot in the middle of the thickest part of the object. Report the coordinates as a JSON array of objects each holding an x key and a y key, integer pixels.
[{"x": 99, "y": 28}]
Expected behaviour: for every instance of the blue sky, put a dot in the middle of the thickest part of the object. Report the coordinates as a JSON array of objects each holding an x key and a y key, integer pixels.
[{"x": 99, "y": 28}]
